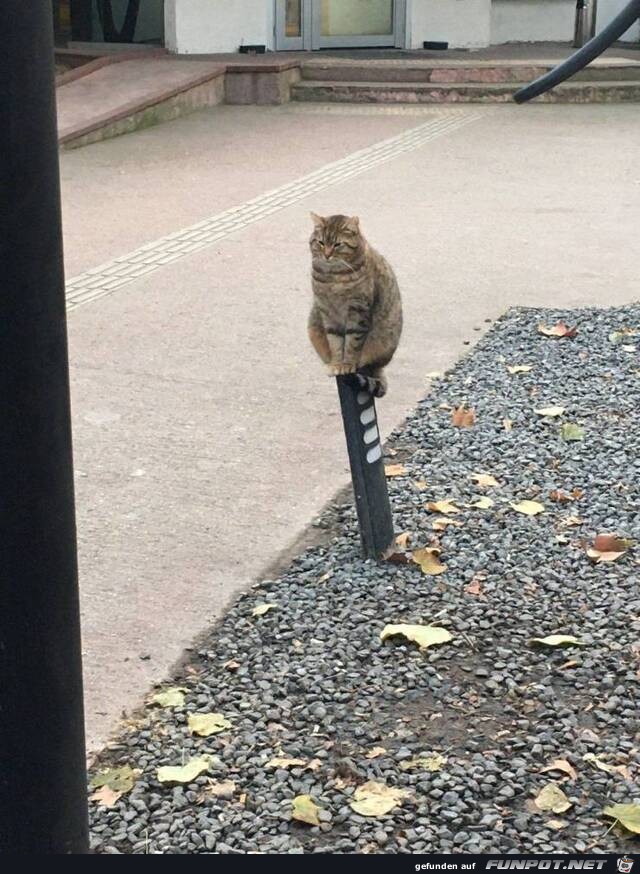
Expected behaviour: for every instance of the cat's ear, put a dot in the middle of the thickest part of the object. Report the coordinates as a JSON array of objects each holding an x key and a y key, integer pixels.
[
  {"x": 317, "y": 219},
  {"x": 353, "y": 223}
]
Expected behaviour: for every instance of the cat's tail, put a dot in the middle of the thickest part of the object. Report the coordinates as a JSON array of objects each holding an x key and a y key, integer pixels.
[{"x": 374, "y": 381}]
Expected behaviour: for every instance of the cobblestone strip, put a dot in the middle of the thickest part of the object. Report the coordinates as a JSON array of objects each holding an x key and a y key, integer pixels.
[{"x": 113, "y": 275}]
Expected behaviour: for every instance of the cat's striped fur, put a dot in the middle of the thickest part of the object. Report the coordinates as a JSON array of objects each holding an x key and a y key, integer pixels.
[{"x": 356, "y": 318}]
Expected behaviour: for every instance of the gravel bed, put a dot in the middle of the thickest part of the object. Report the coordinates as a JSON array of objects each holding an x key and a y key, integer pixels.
[{"x": 311, "y": 680}]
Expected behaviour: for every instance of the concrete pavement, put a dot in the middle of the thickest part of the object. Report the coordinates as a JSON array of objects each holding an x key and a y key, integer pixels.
[{"x": 206, "y": 434}]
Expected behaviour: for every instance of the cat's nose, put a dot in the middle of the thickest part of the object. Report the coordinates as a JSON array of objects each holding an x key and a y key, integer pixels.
[{"x": 328, "y": 251}]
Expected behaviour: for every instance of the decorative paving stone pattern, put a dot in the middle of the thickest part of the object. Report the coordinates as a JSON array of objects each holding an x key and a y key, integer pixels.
[
  {"x": 309, "y": 678},
  {"x": 114, "y": 275}
]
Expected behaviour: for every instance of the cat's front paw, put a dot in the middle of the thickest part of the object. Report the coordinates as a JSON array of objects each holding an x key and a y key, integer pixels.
[{"x": 342, "y": 369}]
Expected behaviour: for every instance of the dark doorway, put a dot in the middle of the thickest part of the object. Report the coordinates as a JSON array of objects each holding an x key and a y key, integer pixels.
[{"x": 109, "y": 21}]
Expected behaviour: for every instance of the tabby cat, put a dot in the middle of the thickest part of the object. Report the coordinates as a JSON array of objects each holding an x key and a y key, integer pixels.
[{"x": 356, "y": 318}]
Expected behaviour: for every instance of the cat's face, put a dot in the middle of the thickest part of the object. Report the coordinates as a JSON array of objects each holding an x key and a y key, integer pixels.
[{"x": 335, "y": 239}]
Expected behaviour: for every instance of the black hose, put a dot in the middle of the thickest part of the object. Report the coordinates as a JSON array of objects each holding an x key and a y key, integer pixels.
[{"x": 583, "y": 56}]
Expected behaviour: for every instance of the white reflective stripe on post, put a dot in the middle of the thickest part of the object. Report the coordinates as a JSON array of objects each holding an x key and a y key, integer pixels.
[
  {"x": 368, "y": 416},
  {"x": 370, "y": 434},
  {"x": 374, "y": 454}
]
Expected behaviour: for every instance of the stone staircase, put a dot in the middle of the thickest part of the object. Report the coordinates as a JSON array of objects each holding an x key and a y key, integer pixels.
[{"x": 606, "y": 80}]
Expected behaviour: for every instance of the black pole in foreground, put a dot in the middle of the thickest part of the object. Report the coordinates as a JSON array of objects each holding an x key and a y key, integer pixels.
[
  {"x": 601, "y": 41},
  {"x": 367, "y": 467},
  {"x": 42, "y": 758}
]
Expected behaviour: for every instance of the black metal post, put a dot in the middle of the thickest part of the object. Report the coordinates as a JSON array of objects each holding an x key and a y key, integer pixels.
[
  {"x": 575, "y": 62},
  {"x": 42, "y": 771},
  {"x": 367, "y": 467}
]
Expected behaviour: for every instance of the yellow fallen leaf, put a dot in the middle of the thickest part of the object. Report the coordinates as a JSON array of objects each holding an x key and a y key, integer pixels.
[
  {"x": 429, "y": 561},
  {"x": 304, "y": 809},
  {"x": 394, "y": 470},
  {"x": 519, "y": 368},
  {"x": 375, "y": 752},
  {"x": 556, "y": 824},
  {"x": 552, "y": 798},
  {"x": 173, "y": 697},
  {"x": 105, "y": 796},
  {"x": 529, "y": 508},
  {"x": 261, "y": 609},
  {"x": 120, "y": 780},
  {"x": 560, "y": 765},
  {"x": 424, "y": 762},
  {"x": 420, "y": 484},
  {"x": 186, "y": 773},
  {"x": 447, "y": 508},
  {"x": 423, "y": 635},
  {"x": 484, "y": 480},
  {"x": 557, "y": 640},
  {"x": 403, "y": 539},
  {"x": 376, "y": 799},
  {"x": 628, "y": 815},
  {"x": 483, "y": 503},
  {"x": 206, "y": 724},
  {"x": 552, "y": 412}
]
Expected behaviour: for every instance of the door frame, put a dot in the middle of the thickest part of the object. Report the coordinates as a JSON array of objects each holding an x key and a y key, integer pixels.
[{"x": 310, "y": 39}]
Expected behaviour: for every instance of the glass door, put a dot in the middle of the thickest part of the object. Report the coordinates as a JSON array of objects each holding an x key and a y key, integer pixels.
[
  {"x": 354, "y": 23},
  {"x": 290, "y": 30}
]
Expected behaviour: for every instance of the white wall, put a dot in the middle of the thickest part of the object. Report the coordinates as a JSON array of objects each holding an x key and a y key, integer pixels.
[
  {"x": 461, "y": 23},
  {"x": 206, "y": 26},
  {"x": 546, "y": 20},
  {"x": 607, "y": 9}
]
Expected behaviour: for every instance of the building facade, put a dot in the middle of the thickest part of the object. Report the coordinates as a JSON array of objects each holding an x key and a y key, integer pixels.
[
  {"x": 202, "y": 26},
  {"x": 210, "y": 26}
]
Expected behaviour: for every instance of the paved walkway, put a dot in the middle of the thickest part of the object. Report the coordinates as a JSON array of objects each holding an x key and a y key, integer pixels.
[{"x": 206, "y": 435}]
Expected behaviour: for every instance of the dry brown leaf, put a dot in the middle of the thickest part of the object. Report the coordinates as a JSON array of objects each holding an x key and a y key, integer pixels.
[
  {"x": 375, "y": 752},
  {"x": 474, "y": 587},
  {"x": 394, "y": 470},
  {"x": 442, "y": 523},
  {"x": 403, "y": 539},
  {"x": 570, "y": 521},
  {"x": 105, "y": 796},
  {"x": 398, "y": 557},
  {"x": 429, "y": 561},
  {"x": 507, "y": 424},
  {"x": 232, "y": 665},
  {"x": 461, "y": 417},
  {"x": 519, "y": 368},
  {"x": 607, "y": 547},
  {"x": 420, "y": 484},
  {"x": 556, "y": 824},
  {"x": 560, "y": 765},
  {"x": 484, "y": 480},
  {"x": 224, "y": 789},
  {"x": 559, "y": 330},
  {"x": 445, "y": 507}
]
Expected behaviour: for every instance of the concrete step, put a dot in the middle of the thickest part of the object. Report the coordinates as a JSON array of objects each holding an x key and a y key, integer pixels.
[
  {"x": 459, "y": 72},
  {"x": 431, "y": 92}
]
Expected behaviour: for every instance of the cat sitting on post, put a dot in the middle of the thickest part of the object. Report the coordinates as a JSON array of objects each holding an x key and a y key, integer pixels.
[{"x": 356, "y": 318}]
